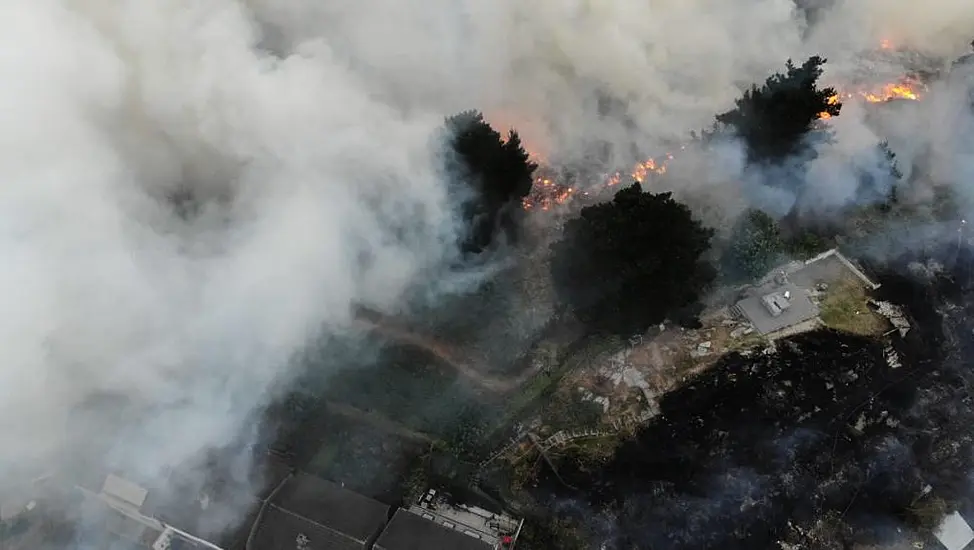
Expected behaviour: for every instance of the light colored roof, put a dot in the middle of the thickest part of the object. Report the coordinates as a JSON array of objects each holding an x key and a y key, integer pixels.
[
  {"x": 800, "y": 308},
  {"x": 124, "y": 490},
  {"x": 954, "y": 532}
]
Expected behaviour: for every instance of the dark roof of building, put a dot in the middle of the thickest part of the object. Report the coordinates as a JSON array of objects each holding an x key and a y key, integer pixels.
[
  {"x": 407, "y": 531},
  {"x": 332, "y": 506},
  {"x": 283, "y": 530},
  {"x": 236, "y": 539}
]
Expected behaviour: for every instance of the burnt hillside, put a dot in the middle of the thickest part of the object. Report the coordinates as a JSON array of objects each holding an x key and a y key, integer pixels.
[{"x": 820, "y": 427}]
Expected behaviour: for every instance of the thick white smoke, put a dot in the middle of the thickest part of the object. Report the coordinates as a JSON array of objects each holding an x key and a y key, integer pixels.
[
  {"x": 314, "y": 196},
  {"x": 303, "y": 128}
]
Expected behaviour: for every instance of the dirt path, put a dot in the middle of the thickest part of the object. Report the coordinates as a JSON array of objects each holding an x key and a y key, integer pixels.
[
  {"x": 378, "y": 420},
  {"x": 446, "y": 354}
]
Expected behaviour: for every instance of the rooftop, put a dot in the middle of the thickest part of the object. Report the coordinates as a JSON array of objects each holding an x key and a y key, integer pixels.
[
  {"x": 332, "y": 506},
  {"x": 496, "y": 530},
  {"x": 954, "y": 533},
  {"x": 775, "y": 306},
  {"x": 409, "y": 531},
  {"x": 117, "y": 524},
  {"x": 782, "y": 299},
  {"x": 282, "y": 530}
]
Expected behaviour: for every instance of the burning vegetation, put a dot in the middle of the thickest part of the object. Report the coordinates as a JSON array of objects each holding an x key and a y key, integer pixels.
[
  {"x": 817, "y": 425},
  {"x": 548, "y": 191},
  {"x": 908, "y": 88}
]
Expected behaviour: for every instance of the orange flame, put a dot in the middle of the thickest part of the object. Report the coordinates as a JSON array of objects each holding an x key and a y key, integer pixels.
[
  {"x": 547, "y": 193},
  {"x": 906, "y": 88}
]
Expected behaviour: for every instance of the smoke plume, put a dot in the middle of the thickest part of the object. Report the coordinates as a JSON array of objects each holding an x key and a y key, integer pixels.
[{"x": 194, "y": 190}]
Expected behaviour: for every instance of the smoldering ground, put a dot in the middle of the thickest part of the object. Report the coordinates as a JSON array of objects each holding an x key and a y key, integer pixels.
[
  {"x": 300, "y": 131},
  {"x": 820, "y": 444}
]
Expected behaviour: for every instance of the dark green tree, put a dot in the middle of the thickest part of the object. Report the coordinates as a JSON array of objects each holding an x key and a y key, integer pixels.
[
  {"x": 878, "y": 182},
  {"x": 890, "y": 159},
  {"x": 464, "y": 437},
  {"x": 892, "y": 196},
  {"x": 774, "y": 119},
  {"x": 496, "y": 175},
  {"x": 755, "y": 245},
  {"x": 627, "y": 264}
]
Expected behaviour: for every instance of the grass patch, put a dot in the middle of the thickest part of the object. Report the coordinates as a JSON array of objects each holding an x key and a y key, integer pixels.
[
  {"x": 747, "y": 342},
  {"x": 844, "y": 308},
  {"x": 544, "y": 384},
  {"x": 566, "y": 410}
]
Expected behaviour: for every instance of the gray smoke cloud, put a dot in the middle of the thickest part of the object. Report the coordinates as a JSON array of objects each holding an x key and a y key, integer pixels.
[
  {"x": 315, "y": 196},
  {"x": 303, "y": 129}
]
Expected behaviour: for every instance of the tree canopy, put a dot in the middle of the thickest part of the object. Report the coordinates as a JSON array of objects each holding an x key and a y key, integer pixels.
[
  {"x": 755, "y": 245},
  {"x": 627, "y": 264},
  {"x": 774, "y": 119},
  {"x": 496, "y": 174},
  {"x": 890, "y": 173}
]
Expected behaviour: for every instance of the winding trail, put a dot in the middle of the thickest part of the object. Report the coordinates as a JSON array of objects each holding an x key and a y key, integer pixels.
[
  {"x": 377, "y": 420},
  {"x": 395, "y": 330}
]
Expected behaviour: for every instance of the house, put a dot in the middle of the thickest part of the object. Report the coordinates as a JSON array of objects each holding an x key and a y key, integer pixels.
[
  {"x": 283, "y": 509},
  {"x": 777, "y": 306},
  {"x": 954, "y": 533},
  {"x": 408, "y": 531},
  {"x": 113, "y": 518},
  {"x": 436, "y": 522},
  {"x": 310, "y": 513},
  {"x": 782, "y": 304}
]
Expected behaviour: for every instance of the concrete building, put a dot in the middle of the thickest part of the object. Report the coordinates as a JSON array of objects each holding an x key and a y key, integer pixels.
[
  {"x": 782, "y": 302},
  {"x": 436, "y": 522},
  {"x": 283, "y": 509},
  {"x": 408, "y": 531},
  {"x": 776, "y": 306},
  {"x": 954, "y": 533},
  {"x": 113, "y": 517},
  {"x": 309, "y": 513}
]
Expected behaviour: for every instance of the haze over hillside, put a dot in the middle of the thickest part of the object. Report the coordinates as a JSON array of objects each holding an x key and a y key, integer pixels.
[{"x": 194, "y": 191}]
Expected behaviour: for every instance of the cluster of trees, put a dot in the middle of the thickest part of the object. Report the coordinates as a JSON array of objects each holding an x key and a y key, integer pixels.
[
  {"x": 640, "y": 258},
  {"x": 621, "y": 266}
]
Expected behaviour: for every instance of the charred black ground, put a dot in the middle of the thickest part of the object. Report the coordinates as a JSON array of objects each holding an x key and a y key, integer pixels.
[{"x": 822, "y": 427}]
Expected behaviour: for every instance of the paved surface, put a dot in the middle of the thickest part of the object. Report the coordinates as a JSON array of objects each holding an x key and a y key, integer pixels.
[
  {"x": 825, "y": 270},
  {"x": 801, "y": 308}
]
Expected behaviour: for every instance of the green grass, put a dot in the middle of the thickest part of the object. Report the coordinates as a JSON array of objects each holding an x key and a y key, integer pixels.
[
  {"x": 542, "y": 385},
  {"x": 844, "y": 308}
]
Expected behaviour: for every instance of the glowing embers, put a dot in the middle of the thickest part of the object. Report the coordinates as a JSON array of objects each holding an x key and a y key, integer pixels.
[
  {"x": 905, "y": 88},
  {"x": 547, "y": 192}
]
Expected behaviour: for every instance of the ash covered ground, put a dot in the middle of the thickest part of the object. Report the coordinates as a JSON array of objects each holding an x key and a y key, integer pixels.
[{"x": 818, "y": 443}]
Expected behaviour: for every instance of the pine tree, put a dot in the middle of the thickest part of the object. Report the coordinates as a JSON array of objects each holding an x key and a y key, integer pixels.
[
  {"x": 773, "y": 120},
  {"x": 496, "y": 175}
]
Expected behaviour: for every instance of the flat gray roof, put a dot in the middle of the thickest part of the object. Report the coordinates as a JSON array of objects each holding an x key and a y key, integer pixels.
[
  {"x": 800, "y": 308},
  {"x": 954, "y": 532}
]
